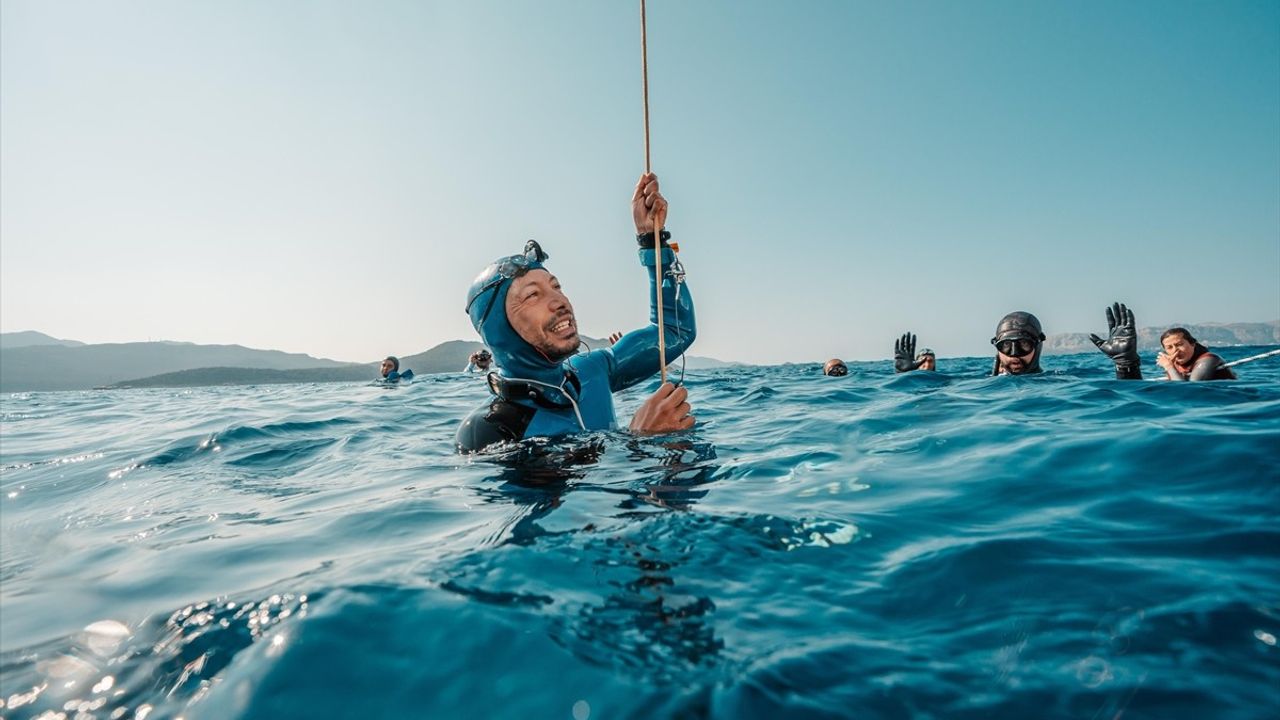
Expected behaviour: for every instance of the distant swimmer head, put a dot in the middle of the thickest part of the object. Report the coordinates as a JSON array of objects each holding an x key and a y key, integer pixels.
[
  {"x": 835, "y": 367},
  {"x": 521, "y": 313},
  {"x": 1018, "y": 342},
  {"x": 390, "y": 365},
  {"x": 927, "y": 359},
  {"x": 481, "y": 359}
]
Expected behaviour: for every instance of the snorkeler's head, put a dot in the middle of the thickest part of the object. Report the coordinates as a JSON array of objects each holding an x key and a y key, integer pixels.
[
  {"x": 1018, "y": 342},
  {"x": 390, "y": 364},
  {"x": 519, "y": 311},
  {"x": 835, "y": 367}
]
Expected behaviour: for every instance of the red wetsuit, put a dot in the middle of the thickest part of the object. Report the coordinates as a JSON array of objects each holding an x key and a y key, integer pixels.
[{"x": 1221, "y": 373}]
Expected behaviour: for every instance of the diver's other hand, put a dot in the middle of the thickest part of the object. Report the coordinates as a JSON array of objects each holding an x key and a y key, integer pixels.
[
  {"x": 667, "y": 410},
  {"x": 1121, "y": 344},
  {"x": 614, "y": 337},
  {"x": 648, "y": 207},
  {"x": 473, "y": 357},
  {"x": 1164, "y": 361},
  {"x": 904, "y": 354}
]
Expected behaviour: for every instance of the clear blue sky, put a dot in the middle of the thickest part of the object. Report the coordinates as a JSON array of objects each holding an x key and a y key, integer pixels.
[{"x": 328, "y": 177}]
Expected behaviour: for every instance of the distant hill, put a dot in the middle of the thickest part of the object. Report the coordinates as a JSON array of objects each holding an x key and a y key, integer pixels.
[
  {"x": 29, "y": 338},
  {"x": 46, "y": 363},
  {"x": 1211, "y": 334},
  {"x": 54, "y": 367},
  {"x": 448, "y": 356},
  {"x": 252, "y": 376},
  {"x": 694, "y": 362}
]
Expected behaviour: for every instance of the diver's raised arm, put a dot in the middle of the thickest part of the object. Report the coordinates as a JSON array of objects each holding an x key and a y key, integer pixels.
[
  {"x": 635, "y": 356},
  {"x": 1121, "y": 344}
]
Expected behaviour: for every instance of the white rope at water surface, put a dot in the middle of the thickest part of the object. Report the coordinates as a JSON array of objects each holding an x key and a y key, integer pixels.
[{"x": 1251, "y": 358}]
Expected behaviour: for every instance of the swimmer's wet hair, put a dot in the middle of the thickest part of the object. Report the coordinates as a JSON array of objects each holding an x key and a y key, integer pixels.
[{"x": 1178, "y": 331}]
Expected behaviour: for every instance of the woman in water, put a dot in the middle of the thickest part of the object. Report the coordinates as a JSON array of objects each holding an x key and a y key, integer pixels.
[{"x": 1184, "y": 358}]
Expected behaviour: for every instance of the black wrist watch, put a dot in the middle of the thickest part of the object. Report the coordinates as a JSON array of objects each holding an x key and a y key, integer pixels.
[{"x": 645, "y": 240}]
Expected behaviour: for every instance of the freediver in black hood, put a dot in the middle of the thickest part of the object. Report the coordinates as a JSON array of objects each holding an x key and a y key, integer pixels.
[{"x": 1019, "y": 340}]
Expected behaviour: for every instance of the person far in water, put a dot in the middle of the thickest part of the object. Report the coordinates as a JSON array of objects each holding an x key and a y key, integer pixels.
[
  {"x": 543, "y": 386},
  {"x": 391, "y": 370},
  {"x": 906, "y": 359},
  {"x": 1184, "y": 358},
  {"x": 479, "y": 361},
  {"x": 1019, "y": 340},
  {"x": 835, "y": 367}
]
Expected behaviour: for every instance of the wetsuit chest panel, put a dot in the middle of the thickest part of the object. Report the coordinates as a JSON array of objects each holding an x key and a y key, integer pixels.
[{"x": 595, "y": 403}]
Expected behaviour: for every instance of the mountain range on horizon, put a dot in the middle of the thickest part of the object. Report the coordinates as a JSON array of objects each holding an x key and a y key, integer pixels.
[{"x": 34, "y": 361}]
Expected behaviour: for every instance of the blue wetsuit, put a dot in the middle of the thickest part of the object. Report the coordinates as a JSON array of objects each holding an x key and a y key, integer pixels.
[{"x": 534, "y": 397}]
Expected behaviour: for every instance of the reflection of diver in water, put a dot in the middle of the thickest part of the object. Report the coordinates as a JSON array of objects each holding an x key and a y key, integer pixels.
[{"x": 643, "y": 620}]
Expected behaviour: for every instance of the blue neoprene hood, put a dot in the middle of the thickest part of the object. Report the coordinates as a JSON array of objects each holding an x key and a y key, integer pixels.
[{"x": 514, "y": 355}]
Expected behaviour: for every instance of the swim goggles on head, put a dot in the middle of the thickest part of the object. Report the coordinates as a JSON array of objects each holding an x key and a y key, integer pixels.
[
  {"x": 1015, "y": 347},
  {"x": 837, "y": 370},
  {"x": 503, "y": 270}
]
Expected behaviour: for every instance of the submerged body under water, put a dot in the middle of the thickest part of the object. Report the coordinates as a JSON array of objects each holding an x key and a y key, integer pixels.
[{"x": 876, "y": 545}]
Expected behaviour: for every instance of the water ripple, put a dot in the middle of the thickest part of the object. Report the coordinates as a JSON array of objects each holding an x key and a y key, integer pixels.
[{"x": 878, "y": 545}]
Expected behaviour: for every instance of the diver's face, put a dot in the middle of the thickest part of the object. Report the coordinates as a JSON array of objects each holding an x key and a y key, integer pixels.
[
  {"x": 928, "y": 363},
  {"x": 1017, "y": 364},
  {"x": 1178, "y": 348},
  {"x": 541, "y": 314},
  {"x": 387, "y": 367}
]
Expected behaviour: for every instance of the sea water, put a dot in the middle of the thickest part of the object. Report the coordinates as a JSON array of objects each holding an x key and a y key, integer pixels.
[{"x": 873, "y": 546}]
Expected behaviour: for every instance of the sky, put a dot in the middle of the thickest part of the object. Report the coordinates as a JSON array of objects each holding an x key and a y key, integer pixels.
[{"x": 329, "y": 177}]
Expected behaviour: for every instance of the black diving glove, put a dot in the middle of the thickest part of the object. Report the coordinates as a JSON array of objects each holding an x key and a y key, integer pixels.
[
  {"x": 904, "y": 354},
  {"x": 1122, "y": 344}
]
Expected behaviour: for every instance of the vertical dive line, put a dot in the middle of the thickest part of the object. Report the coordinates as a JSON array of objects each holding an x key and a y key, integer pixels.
[{"x": 648, "y": 168}]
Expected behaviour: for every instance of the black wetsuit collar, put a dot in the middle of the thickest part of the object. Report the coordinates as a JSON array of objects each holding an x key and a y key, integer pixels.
[{"x": 518, "y": 389}]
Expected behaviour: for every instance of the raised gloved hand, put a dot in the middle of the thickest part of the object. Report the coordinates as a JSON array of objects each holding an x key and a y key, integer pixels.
[
  {"x": 1122, "y": 343},
  {"x": 904, "y": 354}
]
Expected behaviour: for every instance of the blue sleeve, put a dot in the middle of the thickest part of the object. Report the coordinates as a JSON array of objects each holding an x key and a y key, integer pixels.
[{"x": 635, "y": 357}]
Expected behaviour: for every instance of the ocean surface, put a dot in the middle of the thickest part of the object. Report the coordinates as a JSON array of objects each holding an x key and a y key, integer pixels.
[{"x": 941, "y": 545}]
